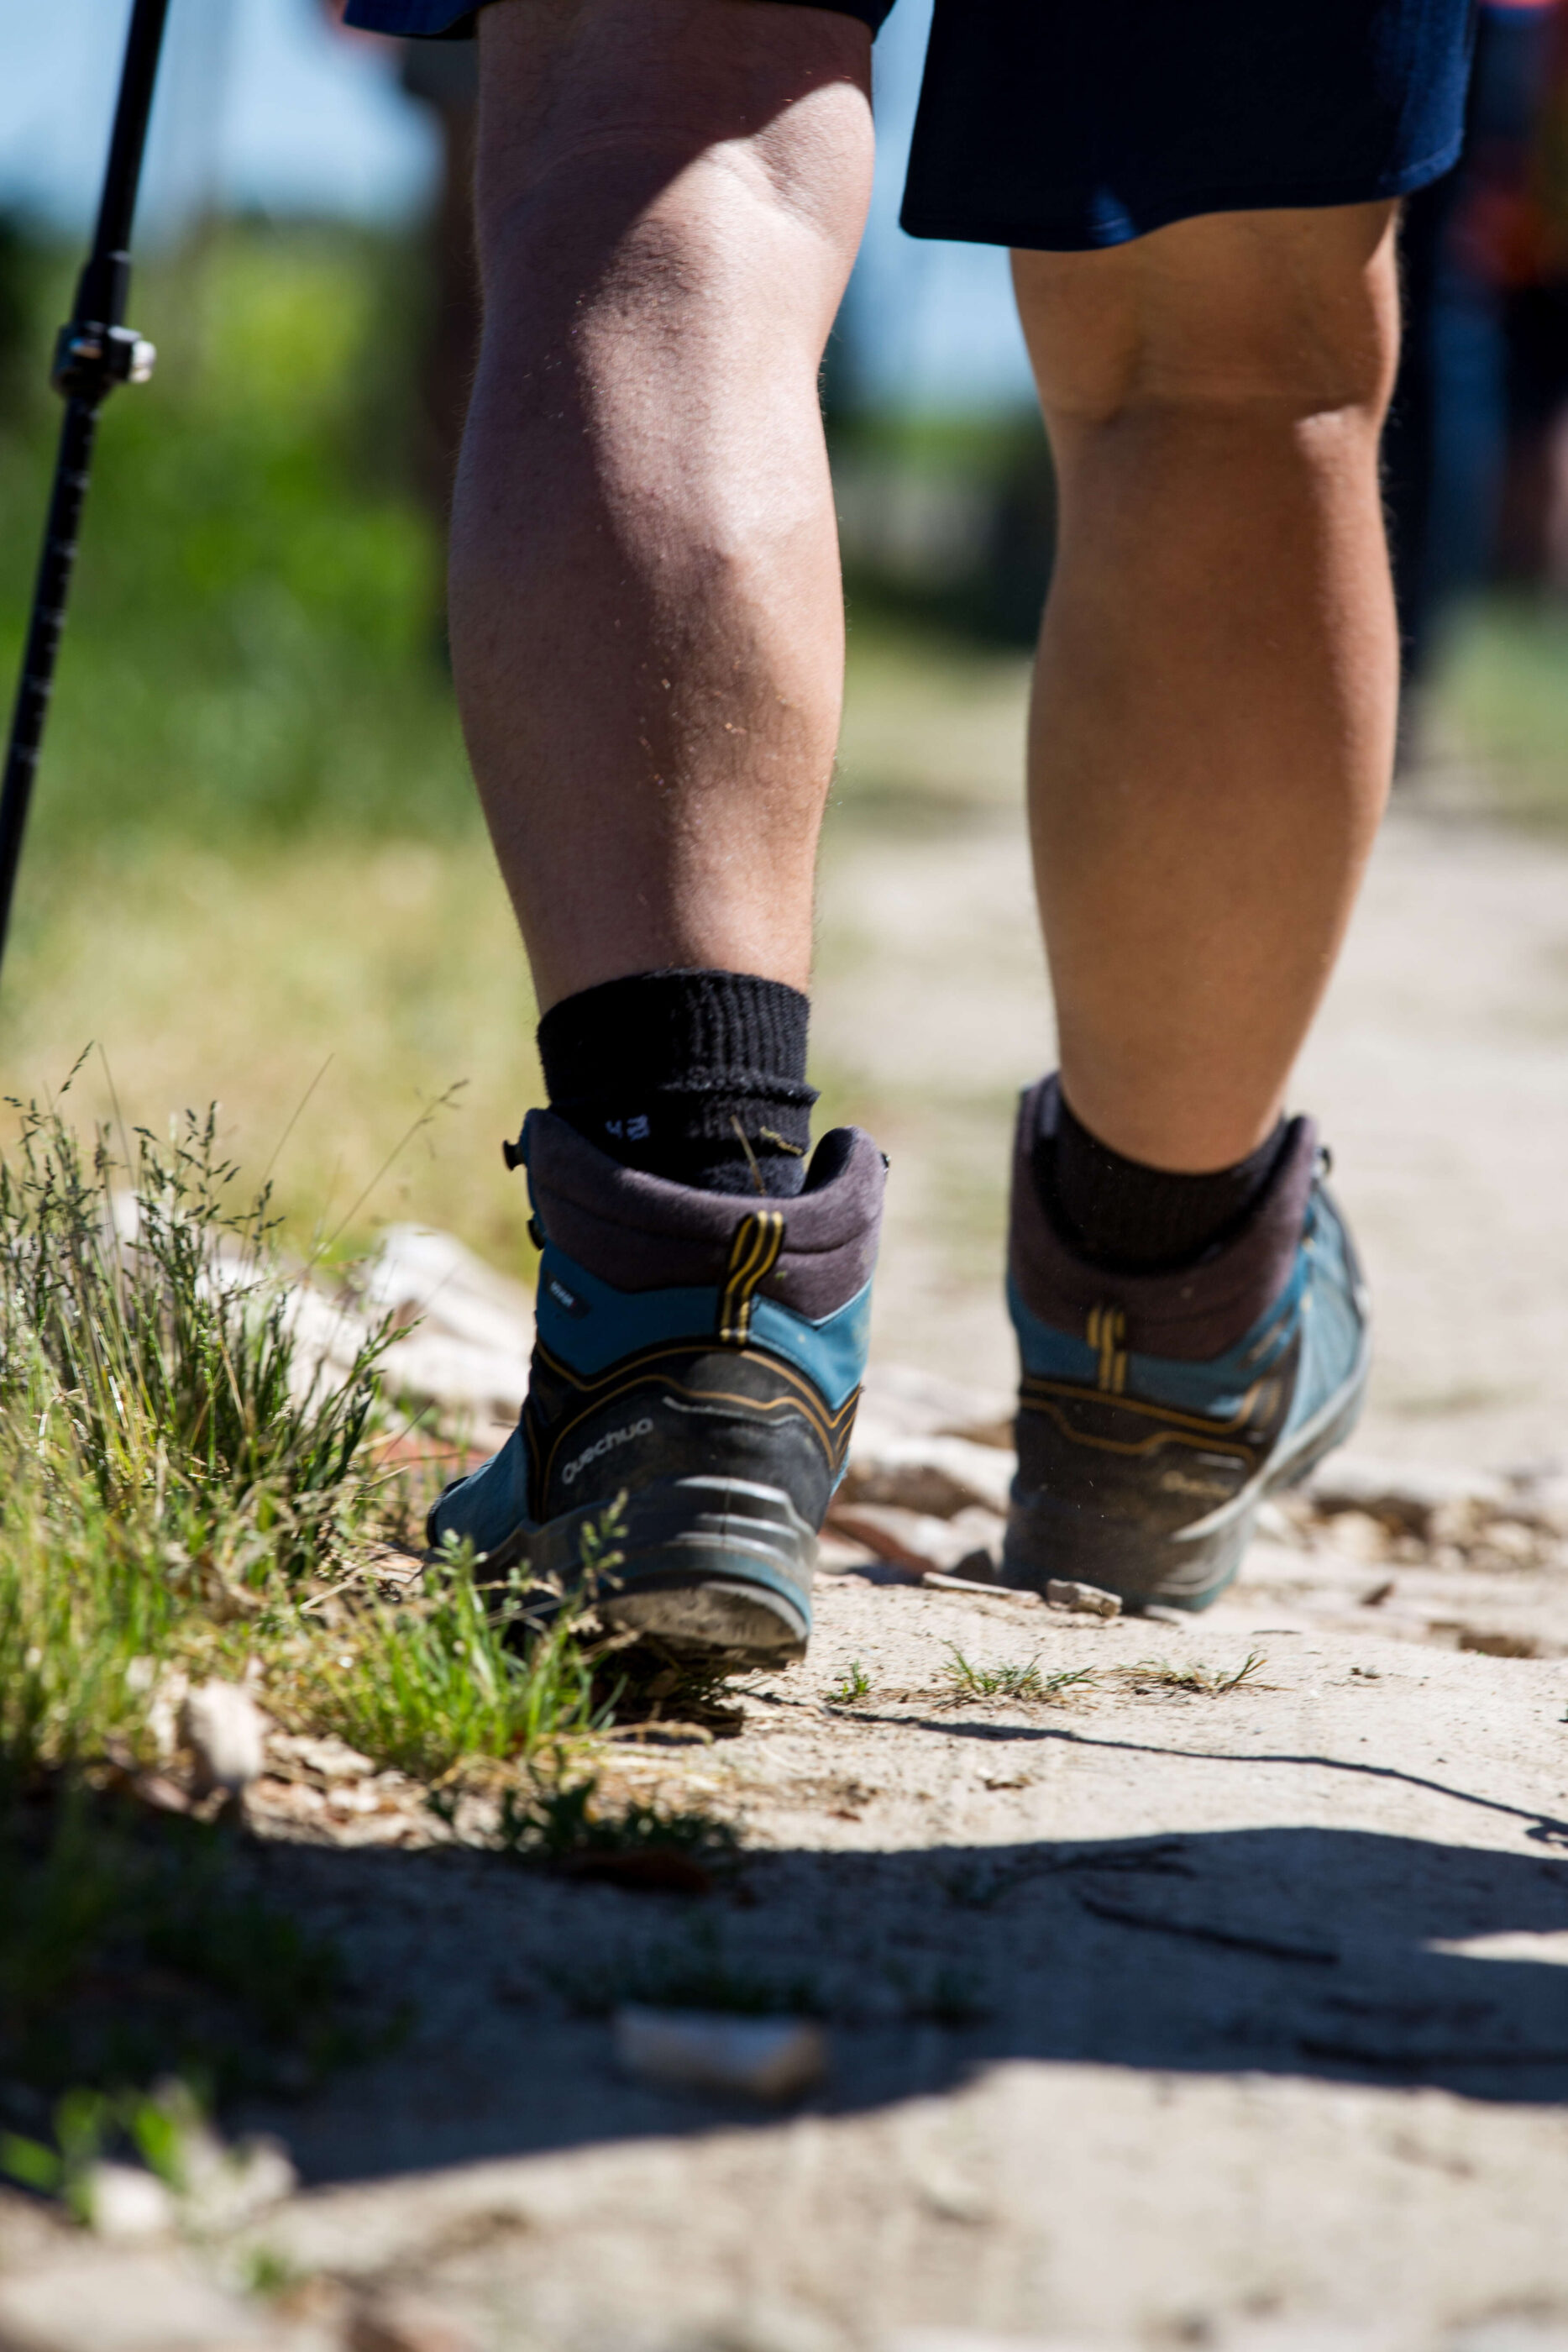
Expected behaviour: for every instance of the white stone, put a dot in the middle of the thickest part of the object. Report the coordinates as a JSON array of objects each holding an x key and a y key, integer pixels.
[
  {"x": 1088, "y": 1600},
  {"x": 1360, "y": 1536},
  {"x": 1408, "y": 1492},
  {"x": 770, "y": 2058},
  {"x": 914, "y": 1541},
  {"x": 417, "y": 1272},
  {"x": 907, "y": 1401},
  {"x": 125, "y": 2302},
  {"x": 940, "y": 1475},
  {"x": 433, "y": 1368},
  {"x": 227, "y": 1733},
  {"x": 328, "y": 1334},
  {"x": 125, "y": 2203}
]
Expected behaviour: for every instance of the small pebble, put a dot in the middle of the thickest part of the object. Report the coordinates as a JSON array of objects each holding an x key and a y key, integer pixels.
[
  {"x": 405, "y": 2323},
  {"x": 227, "y": 1733},
  {"x": 1088, "y": 1599},
  {"x": 771, "y": 2058},
  {"x": 126, "y": 2204}
]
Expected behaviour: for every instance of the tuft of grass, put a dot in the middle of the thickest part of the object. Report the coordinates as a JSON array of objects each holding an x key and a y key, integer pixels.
[
  {"x": 172, "y": 1477},
  {"x": 147, "y": 1345},
  {"x": 453, "y": 1670},
  {"x": 964, "y": 1683},
  {"x": 852, "y": 1686},
  {"x": 181, "y": 1489},
  {"x": 1196, "y": 1681},
  {"x": 182, "y": 1495}
]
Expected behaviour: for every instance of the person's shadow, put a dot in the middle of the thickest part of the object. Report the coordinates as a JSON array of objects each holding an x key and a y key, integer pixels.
[{"x": 1340, "y": 1954}]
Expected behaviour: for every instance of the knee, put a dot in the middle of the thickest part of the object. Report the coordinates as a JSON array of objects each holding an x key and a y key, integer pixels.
[
  {"x": 639, "y": 157},
  {"x": 1279, "y": 317}
]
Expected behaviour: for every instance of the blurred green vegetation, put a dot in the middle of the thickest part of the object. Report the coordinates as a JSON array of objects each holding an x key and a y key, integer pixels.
[
  {"x": 256, "y": 856},
  {"x": 947, "y": 525},
  {"x": 254, "y": 643},
  {"x": 1502, "y": 699},
  {"x": 255, "y": 853},
  {"x": 254, "y": 651}
]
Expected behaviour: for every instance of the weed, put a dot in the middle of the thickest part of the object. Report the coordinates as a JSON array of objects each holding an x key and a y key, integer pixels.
[
  {"x": 158, "y": 2125},
  {"x": 648, "y": 1684},
  {"x": 180, "y": 1488},
  {"x": 179, "y": 1495},
  {"x": 1196, "y": 1681},
  {"x": 266, "y": 2272},
  {"x": 963, "y": 1683},
  {"x": 147, "y": 1345},
  {"x": 852, "y": 1686},
  {"x": 455, "y": 1670}
]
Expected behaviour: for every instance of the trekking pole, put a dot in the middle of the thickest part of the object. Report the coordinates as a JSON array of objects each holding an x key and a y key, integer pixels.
[{"x": 93, "y": 353}]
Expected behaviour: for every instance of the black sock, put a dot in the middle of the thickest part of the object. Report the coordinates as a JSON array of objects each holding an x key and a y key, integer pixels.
[
  {"x": 1127, "y": 1217},
  {"x": 696, "y": 1075}
]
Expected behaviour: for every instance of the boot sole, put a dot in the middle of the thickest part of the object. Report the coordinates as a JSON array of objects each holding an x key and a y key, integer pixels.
[
  {"x": 719, "y": 1570},
  {"x": 1190, "y": 1571}
]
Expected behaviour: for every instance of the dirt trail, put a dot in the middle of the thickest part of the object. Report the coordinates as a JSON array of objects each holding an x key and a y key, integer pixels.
[
  {"x": 1161, "y": 2012},
  {"x": 1438, "y": 1072}
]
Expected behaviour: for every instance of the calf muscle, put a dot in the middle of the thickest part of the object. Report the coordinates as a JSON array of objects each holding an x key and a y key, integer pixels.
[
  {"x": 1213, "y": 723},
  {"x": 647, "y": 626}
]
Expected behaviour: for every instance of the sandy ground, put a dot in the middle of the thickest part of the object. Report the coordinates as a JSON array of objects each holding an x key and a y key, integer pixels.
[{"x": 1155, "y": 2017}]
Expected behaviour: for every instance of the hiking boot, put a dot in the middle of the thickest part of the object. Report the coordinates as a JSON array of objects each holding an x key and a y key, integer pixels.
[
  {"x": 697, "y": 1362},
  {"x": 1157, "y": 1410}
]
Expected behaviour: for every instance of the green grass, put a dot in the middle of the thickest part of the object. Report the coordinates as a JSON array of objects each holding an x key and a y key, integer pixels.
[
  {"x": 1501, "y": 695},
  {"x": 178, "y": 1489},
  {"x": 251, "y": 645},
  {"x": 145, "y": 1340},
  {"x": 167, "y": 1476},
  {"x": 180, "y": 1497},
  {"x": 453, "y": 1672},
  {"x": 256, "y": 869},
  {"x": 852, "y": 1686},
  {"x": 964, "y": 1683}
]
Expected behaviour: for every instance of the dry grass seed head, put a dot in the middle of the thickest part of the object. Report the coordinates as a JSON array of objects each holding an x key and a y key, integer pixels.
[{"x": 1195, "y": 1680}]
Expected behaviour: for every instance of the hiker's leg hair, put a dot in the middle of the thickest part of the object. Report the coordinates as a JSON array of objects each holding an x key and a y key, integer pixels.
[
  {"x": 647, "y": 625},
  {"x": 1212, "y": 733}
]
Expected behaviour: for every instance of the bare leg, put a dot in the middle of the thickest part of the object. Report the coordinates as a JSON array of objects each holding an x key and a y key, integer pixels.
[
  {"x": 1213, "y": 725},
  {"x": 647, "y": 625}
]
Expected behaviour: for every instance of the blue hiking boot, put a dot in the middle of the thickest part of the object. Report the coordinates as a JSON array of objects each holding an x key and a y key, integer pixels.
[
  {"x": 1157, "y": 1411},
  {"x": 698, "y": 1359}
]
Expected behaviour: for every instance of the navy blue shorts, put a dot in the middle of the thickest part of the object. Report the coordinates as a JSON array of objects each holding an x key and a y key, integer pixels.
[{"x": 1068, "y": 124}]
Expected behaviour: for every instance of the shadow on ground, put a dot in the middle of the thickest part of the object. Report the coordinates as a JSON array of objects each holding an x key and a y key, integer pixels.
[{"x": 1307, "y": 1951}]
